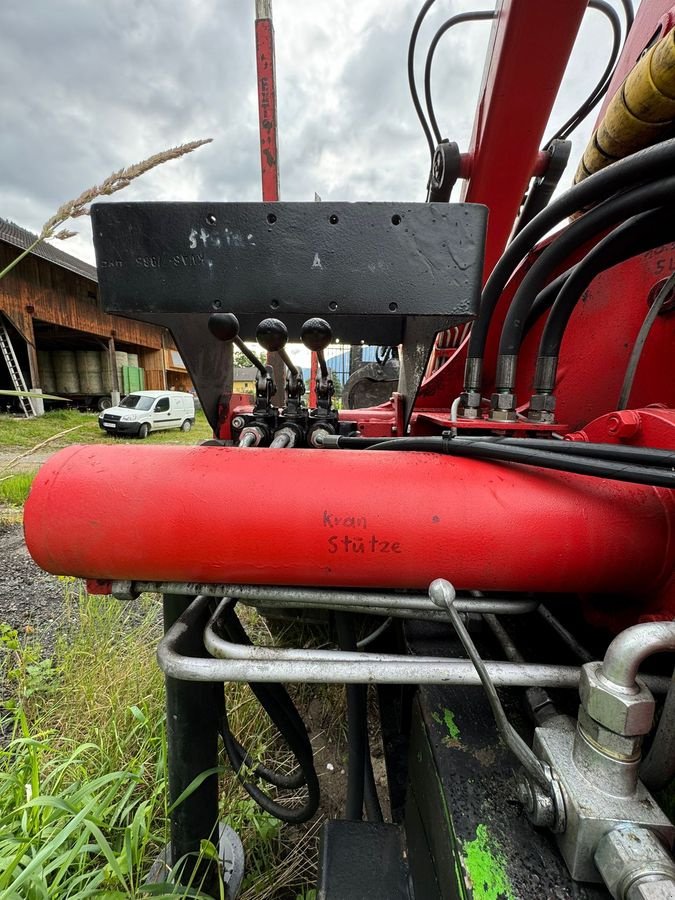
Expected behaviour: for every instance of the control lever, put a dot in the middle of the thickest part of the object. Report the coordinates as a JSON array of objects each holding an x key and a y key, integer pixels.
[
  {"x": 225, "y": 327},
  {"x": 272, "y": 335},
  {"x": 316, "y": 335},
  {"x": 540, "y": 779}
]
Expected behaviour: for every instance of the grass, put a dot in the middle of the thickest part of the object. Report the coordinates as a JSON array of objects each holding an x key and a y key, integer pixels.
[
  {"x": 14, "y": 488},
  {"x": 83, "y": 802},
  {"x": 22, "y": 434}
]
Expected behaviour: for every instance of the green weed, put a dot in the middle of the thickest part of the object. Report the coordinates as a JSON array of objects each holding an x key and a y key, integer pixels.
[
  {"x": 14, "y": 488},
  {"x": 83, "y": 790}
]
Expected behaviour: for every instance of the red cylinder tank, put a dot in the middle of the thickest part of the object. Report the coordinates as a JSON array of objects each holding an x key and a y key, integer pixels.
[{"x": 342, "y": 518}]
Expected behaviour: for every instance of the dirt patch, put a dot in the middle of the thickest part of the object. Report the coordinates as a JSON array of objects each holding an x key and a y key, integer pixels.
[{"x": 25, "y": 463}]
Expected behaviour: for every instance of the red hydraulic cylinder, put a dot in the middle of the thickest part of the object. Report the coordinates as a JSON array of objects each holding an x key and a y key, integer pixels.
[{"x": 370, "y": 519}]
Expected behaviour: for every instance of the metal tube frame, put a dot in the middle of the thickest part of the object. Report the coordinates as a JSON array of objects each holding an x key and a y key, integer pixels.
[
  {"x": 270, "y": 665},
  {"x": 402, "y": 605}
]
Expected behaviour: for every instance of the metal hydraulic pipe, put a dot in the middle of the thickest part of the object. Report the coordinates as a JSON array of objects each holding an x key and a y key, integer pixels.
[
  {"x": 486, "y": 525},
  {"x": 384, "y": 670},
  {"x": 362, "y": 601},
  {"x": 630, "y": 648}
]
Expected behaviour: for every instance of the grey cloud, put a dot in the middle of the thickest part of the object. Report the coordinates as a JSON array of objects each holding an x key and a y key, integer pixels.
[{"x": 93, "y": 85}]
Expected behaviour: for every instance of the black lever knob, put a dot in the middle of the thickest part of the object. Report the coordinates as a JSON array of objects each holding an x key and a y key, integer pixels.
[
  {"x": 224, "y": 326},
  {"x": 316, "y": 334},
  {"x": 272, "y": 334}
]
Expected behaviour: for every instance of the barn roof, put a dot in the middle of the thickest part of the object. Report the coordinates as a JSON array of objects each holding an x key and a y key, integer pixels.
[{"x": 20, "y": 237}]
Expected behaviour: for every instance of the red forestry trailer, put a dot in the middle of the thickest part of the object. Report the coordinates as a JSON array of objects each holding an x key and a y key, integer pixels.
[{"x": 502, "y": 530}]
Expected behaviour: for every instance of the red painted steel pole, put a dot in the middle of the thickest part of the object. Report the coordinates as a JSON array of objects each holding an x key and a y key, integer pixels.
[
  {"x": 267, "y": 99},
  {"x": 269, "y": 146},
  {"x": 529, "y": 48},
  {"x": 370, "y": 519}
]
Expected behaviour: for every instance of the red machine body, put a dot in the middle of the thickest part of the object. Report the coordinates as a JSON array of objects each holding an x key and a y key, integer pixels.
[{"x": 484, "y": 525}]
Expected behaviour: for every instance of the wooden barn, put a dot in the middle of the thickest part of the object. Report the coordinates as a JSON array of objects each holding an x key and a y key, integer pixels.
[{"x": 51, "y": 316}]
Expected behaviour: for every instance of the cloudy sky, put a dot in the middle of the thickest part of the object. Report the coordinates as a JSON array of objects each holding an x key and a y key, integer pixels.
[{"x": 93, "y": 85}]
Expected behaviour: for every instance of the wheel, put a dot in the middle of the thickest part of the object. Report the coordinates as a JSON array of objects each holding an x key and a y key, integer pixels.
[
  {"x": 186, "y": 426},
  {"x": 103, "y": 403},
  {"x": 144, "y": 430}
]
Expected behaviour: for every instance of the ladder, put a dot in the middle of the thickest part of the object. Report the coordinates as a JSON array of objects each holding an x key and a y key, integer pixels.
[{"x": 15, "y": 371}]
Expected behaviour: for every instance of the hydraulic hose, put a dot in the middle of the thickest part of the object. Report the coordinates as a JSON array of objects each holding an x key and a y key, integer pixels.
[
  {"x": 600, "y": 89},
  {"x": 651, "y": 163},
  {"x": 620, "y": 251},
  {"x": 599, "y": 218},
  {"x": 477, "y": 16},
  {"x": 646, "y": 456},
  {"x": 357, "y": 725},
  {"x": 637, "y": 235},
  {"x": 545, "y": 459},
  {"x": 280, "y": 708},
  {"x": 370, "y": 798}
]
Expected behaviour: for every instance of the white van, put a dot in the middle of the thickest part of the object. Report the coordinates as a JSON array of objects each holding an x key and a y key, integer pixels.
[{"x": 145, "y": 411}]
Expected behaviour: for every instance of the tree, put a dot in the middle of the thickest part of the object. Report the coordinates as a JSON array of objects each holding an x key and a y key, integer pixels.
[{"x": 240, "y": 360}]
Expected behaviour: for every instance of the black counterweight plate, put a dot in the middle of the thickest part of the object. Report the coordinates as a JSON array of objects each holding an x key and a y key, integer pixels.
[{"x": 336, "y": 260}]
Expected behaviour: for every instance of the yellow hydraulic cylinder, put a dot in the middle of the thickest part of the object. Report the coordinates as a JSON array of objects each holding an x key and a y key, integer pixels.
[{"x": 641, "y": 113}]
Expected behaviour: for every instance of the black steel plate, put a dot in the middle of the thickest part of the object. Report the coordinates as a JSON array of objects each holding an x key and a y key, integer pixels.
[
  {"x": 467, "y": 837},
  {"x": 385, "y": 261}
]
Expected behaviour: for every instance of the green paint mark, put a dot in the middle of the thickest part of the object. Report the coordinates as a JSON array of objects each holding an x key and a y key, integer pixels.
[
  {"x": 486, "y": 868},
  {"x": 449, "y": 721}
]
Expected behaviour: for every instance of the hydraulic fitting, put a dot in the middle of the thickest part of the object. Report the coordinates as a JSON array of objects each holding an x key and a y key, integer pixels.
[
  {"x": 503, "y": 407},
  {"x": 252, "y": 436},
  {"x": 625, "y": 712},
  {"x": 469, "y": 404},
  {"x": 635, "y": 865},
  {"x": 542, "y": 408}
]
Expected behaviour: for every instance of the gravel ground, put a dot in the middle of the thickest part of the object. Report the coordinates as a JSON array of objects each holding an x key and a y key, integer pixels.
[{"x": 29, "y": 598}]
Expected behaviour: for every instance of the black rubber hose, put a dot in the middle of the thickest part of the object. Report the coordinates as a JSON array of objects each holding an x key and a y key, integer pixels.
[
  {"x": 641, "y": 198},
  {"x": 357, "y": 725},
  {"x": 643, "y": 456},
  {"x": 545, "y": 299},
  {"x": 545, "y": 459},
  {"x": 547, "y": 296},
  {"x": 639, "y": 234},
  {"x": 648, "y": 164},
  {"x": 370, "y": 798},
  {"x": 477, "y": 16},
  {"x": 280, "y": 708},
  {"x": 411, "y": 75},
  {"x": 600, "y": 89},
  {"x": 629, "y": 13}
]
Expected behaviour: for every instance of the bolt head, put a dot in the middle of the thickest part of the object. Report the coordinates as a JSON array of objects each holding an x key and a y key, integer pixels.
[
  {"x": 624, "y": 714},
  {"x": 542, "y": 403},
  {"x": 237, "y": 422},
  {"x": 624, "y": 424},
  {"x": 503, "y": 401},
  {"x": 469, "y": 404}
]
